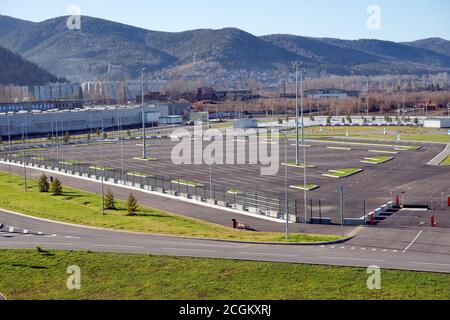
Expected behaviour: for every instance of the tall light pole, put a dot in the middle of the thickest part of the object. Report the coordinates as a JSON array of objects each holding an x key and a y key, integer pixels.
[
  {"x": 286, "y": 184},
  {"x": 24, "y": 161},
  {"x": 9, "y": 133},
  {"x": 367, "y": 102},
  {"x": 297, "y": 138},
  {"x": 304, "y": 148},
  {"x": 144, "y": 138},
  {"x": 102, "y": 170},
  {"x": 211, "y": 182},
  {"x": 121, "y": 148}
]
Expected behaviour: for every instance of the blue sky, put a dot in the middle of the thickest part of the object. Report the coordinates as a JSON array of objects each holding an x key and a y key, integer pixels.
[{"x": 401, "y": 20}]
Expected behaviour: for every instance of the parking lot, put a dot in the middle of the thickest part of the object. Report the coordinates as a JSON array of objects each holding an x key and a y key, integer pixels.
[{"x": 365, "y": 191}]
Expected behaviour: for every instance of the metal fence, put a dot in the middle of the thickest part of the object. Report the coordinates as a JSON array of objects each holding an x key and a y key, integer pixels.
[{"x": 255, "y": 203}]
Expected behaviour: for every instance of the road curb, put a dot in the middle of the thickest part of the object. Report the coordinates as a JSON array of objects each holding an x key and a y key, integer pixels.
[{"x": 178, "y": 237}]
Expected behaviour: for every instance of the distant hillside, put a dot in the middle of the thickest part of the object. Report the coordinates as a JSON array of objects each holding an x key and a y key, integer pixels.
[
  {"x": 231, "y": 47},
  {"x": 15, "y": 70},
  {"x": 9, "y": 24},
  {"x": 105, "y": 49},
  {"x": 439, "y": 45}
]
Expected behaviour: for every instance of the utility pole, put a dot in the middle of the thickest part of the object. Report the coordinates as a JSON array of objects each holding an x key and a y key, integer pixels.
[{"x": 144, "y": 138}]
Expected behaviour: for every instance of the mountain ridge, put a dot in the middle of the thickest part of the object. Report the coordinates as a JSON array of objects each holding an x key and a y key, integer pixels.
[{"x": 105, "y": 49}]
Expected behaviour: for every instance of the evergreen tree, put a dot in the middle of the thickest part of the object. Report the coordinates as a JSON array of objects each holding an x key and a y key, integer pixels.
[
  {"x": 132, "y": 205},
  {"x": 56, "y": 187},
  {"x": 43, "y": 184},
  {"x": 110, "y": 201},
  {"x": 66, "y": 138}
]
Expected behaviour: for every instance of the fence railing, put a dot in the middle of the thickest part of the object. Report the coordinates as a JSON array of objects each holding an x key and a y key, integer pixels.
[{"x": 254, "y": 203}]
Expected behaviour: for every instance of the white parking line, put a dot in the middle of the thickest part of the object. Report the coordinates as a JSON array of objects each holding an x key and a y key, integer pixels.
[
  {"x": 350, "y": 259},
  {"x": 415, "y": 239}
]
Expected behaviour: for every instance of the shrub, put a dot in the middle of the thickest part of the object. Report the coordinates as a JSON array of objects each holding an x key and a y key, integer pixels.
[
  {"x": 56, "y": 187},
  {"x": 66, "y": 138},
  {"x": 110, "y": 201},
  {"x": 132, "y": 205},
  {"x": 43, "y": 184}
]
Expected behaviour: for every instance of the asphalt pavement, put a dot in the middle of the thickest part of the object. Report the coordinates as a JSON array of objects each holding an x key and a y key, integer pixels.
[{"x": 409, "y": 254}]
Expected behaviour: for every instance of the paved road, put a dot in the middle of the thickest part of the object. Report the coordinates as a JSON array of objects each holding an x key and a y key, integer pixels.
[{"x": 51, "y": 235}]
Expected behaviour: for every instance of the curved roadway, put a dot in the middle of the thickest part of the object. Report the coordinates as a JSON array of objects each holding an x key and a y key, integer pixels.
[{"x": 23, "y": 232}]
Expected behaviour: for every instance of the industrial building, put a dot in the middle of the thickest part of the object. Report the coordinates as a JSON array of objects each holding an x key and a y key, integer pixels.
[
  {"x": 40, "y": 105},
  {"x": 440, "y": 123},
  {"x": 78, "y": 120}
]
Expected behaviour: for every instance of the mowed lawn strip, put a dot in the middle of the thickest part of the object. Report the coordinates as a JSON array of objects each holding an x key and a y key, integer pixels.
[
  {"x": 342, "y": 173},
  {"x": 30, "y": 275},
  {"x": 446, "y": 162},
  {"x": 377, "y": 160},
  {"x": 83, "y": 208}
]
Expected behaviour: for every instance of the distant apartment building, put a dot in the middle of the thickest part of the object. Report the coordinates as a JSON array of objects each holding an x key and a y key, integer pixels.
[
  {"x": 54, "y": 91},
  {"x": 330, "y": 94}
]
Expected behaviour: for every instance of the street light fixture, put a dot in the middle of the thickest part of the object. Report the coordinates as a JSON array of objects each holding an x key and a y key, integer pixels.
[
  {"x": 297, "y": 152},
  {"x": 144, "y": 138},
  {"x": 286, "y": 185},
  {"x": 24, "y": 161},
  {"x": 102, "y": 132}
]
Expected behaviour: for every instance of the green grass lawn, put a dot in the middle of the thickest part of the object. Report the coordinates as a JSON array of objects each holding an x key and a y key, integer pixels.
[
  {"x": 83, "y": 208},
  {"x": 342, "y": 173},
  {"x": 308, "y": 187},
  {"x": 446, "y": 162},
  {"x": 30, "y": 274},
  {"x": 301, "y": 165},
  {"x": 187, "y": 183},
  {"x": 377, "y": 132},
  {"x": 377, "y": 160}
]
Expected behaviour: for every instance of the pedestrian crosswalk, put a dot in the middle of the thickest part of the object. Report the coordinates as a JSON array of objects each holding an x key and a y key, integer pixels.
[
  {"x": 15, "y": 232},
  {"x": 360, "y": 248}
]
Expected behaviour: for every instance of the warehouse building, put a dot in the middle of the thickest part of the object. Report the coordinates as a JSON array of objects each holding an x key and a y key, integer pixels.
[
  {"x": 439, "y": 123},
  {"x": 77, "y": 120}
]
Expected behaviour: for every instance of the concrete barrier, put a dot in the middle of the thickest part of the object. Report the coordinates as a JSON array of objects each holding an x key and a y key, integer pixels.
[
  {"x": 316, "y": 220},
  {"x": 353, "y": 222}
]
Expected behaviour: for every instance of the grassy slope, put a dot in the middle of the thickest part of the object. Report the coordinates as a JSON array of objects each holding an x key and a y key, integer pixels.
[
  {"x": 84, "y": 208},
  {"x": 446, "y": 162},
  {"x": 33, "y": 275}
]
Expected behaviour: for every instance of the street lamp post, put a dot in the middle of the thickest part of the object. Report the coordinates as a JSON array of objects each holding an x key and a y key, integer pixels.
[
  {"x": 24, "y": 161},
  {"x": 286, "y": 184},
  {"x": 102, "y": 171},
  {"x": 304, "y": 147},
  {"x": 144, "y": 138},
  {"x": 297, "y": 150}
]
